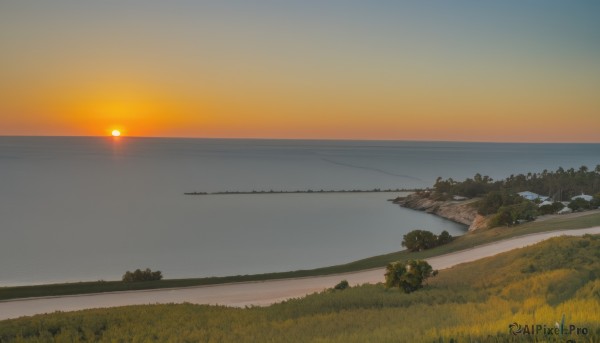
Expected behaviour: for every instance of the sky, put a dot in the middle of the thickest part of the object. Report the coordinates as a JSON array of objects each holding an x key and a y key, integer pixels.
[{"x": 513, "y": 70}]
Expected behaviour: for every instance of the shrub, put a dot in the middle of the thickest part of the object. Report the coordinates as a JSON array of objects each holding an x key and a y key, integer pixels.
[
  {"x": 551, "y": 208},
  {"x": 579, "y": 204},
  {"x": 342, "y": 285}
]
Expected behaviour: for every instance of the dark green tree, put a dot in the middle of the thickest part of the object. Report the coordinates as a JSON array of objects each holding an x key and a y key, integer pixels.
[
  {"x": 502, "y": 218},
  {"x": 408, "y": 276},
  {"x": 492, "y": 202},
  {"x": 595, "y": 203},
  {"x": 444, "y": 238},
  {"x": 579, "y": 204},
  {"x": 418, "y": 240}
]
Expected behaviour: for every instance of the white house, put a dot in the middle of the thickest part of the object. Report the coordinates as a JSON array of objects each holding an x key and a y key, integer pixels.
[
  {"x": 545, "y": 202},
  {"x": 583, "y": 196},
  {"x": 532, "y": 196}
]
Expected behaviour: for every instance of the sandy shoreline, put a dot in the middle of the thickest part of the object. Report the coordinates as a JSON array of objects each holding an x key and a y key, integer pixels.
[{"x": 259, "y": 292}]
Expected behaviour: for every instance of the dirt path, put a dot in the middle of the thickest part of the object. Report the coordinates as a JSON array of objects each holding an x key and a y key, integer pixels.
[{"x": 257, "y": 293}]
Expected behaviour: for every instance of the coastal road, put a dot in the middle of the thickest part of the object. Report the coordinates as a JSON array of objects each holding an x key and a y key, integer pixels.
[{"x": 260, "y": 292}]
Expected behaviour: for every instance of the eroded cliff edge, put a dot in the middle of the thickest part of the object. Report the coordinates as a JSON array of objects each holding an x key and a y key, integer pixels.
[{"x": 460, "y": 211}]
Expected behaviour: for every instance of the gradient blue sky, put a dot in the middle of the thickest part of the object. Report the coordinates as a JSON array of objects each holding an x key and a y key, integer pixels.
[{"x": 442, "y": 70}]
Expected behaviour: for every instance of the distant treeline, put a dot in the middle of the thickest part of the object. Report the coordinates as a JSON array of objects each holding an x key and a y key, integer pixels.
[
  {"x": 374, "y": 190},
  {"x": 500, "y": 198},
  {"x": 560, "y": 185}
]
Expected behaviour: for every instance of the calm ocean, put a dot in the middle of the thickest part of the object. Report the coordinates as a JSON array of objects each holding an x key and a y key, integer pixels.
[{"x": 76, "y": 209}]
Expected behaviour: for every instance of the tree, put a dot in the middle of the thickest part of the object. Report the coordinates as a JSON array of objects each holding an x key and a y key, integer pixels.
[
  {"x": 418, "y": 240},
  {"x": 494, "y": 200},
  {"x": 408, "y": 276},
  {"x": 524, "y": 211},
  {"x": 444, "y": 238},
  {"x": 142, "y": 275},
  {"x": 595, "y": 203},
  {"x": 503, "y": 217},
  {"x": 579, "y": 204},
  {"x": 491, "y": 203}
]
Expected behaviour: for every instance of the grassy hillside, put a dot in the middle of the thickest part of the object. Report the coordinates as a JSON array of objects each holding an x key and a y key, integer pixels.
[
  {"x": 473, "y": 302},
  {"x": 466, "y": 241}
]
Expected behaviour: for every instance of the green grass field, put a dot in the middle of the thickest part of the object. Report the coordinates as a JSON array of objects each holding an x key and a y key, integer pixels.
[
  {"x": 466, "y": 241},
  {"x": 474, "y": 302}
]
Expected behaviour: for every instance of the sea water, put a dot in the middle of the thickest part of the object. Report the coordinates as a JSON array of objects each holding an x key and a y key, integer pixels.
[{"x": 75, "y": 208}]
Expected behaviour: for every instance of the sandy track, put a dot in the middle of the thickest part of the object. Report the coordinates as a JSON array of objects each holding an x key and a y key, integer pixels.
[{"x": 257, "y": 293}]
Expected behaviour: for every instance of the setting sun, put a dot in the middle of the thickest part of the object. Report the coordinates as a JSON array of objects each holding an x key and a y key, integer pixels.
[{"x": 116, "y": 133}]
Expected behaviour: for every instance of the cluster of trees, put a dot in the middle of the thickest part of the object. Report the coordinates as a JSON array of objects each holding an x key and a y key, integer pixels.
[
  {"x": 142, "y": 275},
  {"x": 470, "y": 188},
  {"x": 560, "y": 184},
  {"x": 418, "y": 240},
  {"x": 494, "y": 200},
  {"x": 515, "y": 213},
  {"x": 509, "y": 208},
  {"x": 408, "y": 276},
  {"x": 500, "y": 198},
  {"x": 579, "y": 204}
]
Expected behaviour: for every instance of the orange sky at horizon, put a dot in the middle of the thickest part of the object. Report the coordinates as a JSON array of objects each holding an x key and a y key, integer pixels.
[
  {"x": 152, "y": 114},
  {"x": 401, "y": 72}
]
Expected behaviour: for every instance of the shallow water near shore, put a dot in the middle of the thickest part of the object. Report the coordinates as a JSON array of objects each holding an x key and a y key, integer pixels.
[{"x": 74, "y": 209}]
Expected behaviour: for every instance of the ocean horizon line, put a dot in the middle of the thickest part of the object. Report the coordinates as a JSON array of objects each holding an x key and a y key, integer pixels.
[{"x": 305, "y": 139}]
